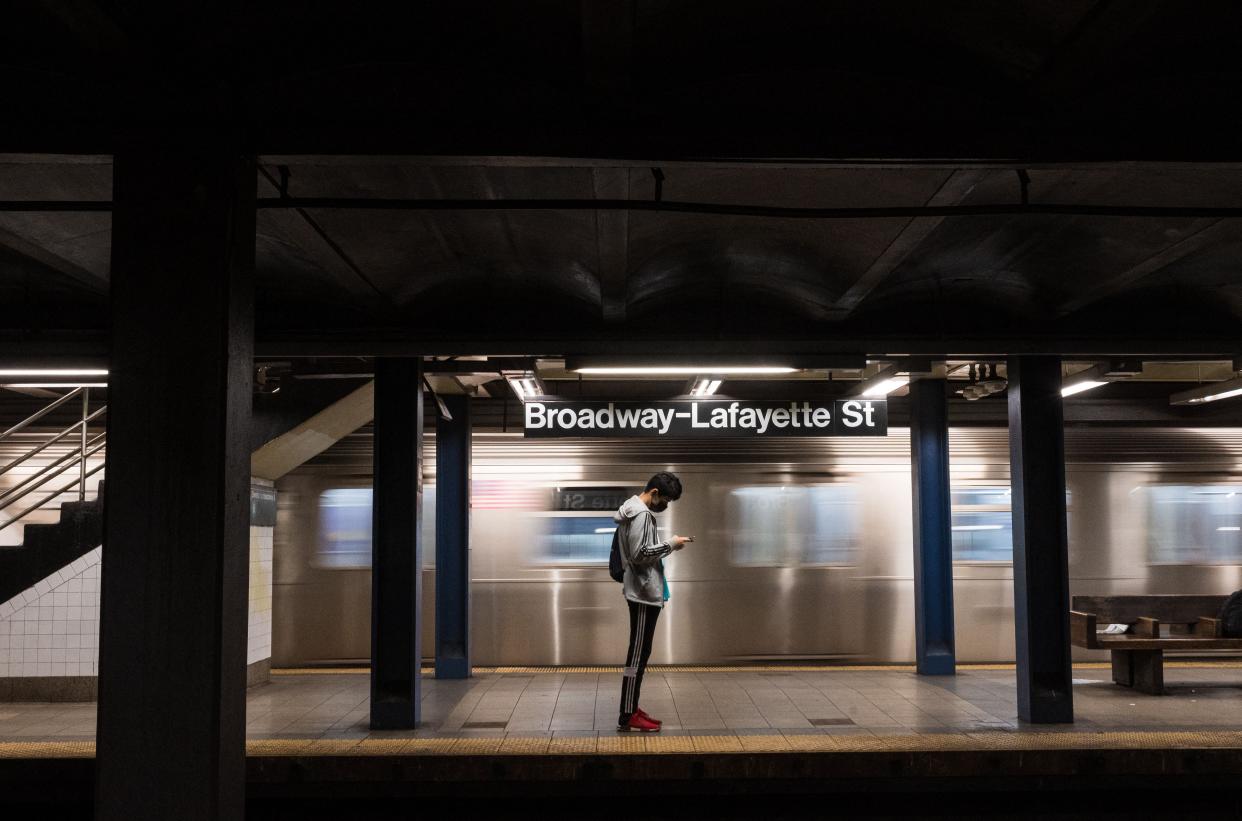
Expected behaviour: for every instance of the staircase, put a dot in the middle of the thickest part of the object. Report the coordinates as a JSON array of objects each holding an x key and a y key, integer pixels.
[{"x": 49, "y": 467}]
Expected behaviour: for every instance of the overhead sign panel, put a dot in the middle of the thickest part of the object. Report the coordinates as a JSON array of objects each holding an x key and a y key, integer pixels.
[{"x": 707, "y": 418}]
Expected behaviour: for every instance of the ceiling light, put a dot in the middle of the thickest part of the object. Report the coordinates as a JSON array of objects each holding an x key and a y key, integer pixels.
[
  {"x": 1083, "y": 381},
  {"x": 705, "y": 387},
  {"x": 1079, "y": 387},
  {"x": 525, "y": 384},
  {"x": 1210, "y": 392},
  {"x": 683, "y": 370},
  {"x": 886, "y": 386},
  {"x": 55, "y": 385},
  {"x": 52, "y": 372}
]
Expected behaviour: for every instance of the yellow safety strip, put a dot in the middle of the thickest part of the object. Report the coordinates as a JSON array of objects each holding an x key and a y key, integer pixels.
[{"x": 630, "y": 744}]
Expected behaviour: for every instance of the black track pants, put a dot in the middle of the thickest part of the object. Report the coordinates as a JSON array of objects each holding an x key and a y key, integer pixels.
[{"x": 642, "y": 630}]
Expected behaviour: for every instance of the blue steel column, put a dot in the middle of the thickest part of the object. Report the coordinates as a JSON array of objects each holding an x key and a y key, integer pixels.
[
  {"x": 1040, "y": 541},
  {"x": 396, "y": 556},
  {"x": 933, "y": 539},
  {"x": 453, "y": 540}
]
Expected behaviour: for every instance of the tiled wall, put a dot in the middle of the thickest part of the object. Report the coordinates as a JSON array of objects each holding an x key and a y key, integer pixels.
[
  {"x": 52, "y": 629},
  {"x": 259, "y": 644}
]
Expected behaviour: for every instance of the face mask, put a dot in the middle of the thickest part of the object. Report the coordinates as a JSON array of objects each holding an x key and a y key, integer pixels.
[{"x": 660, "y": 506}]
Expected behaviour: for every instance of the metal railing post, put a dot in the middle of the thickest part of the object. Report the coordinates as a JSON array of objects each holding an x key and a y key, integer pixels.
[{"x": 86, "y": 412}]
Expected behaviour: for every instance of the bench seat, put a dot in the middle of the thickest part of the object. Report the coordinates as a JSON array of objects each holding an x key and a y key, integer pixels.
[{"x": 1138, "y": 655}]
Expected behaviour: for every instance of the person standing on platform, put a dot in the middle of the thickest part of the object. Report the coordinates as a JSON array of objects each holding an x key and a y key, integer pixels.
[{"x": 646, "y": 590}]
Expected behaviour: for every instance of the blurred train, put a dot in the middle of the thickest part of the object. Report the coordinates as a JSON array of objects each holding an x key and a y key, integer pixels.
[{"x": 803, "y": 546}]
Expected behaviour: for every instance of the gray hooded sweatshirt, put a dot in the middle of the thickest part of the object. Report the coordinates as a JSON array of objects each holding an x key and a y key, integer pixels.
[{"x": 641, "y": 553}]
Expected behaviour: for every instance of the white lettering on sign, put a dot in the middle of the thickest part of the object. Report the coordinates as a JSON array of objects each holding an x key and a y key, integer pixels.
[{"x": 711, "y": 418}]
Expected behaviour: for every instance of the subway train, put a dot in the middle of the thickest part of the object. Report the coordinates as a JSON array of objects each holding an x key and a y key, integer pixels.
[{"x": 803, "y": 547}]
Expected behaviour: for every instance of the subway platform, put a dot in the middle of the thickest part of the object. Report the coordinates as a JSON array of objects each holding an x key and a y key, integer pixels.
[{"x": 848, "y": 731}]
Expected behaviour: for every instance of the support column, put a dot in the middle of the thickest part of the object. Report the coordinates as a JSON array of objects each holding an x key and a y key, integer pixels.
[
  {"x": 933, "y": 538},
  {"x": 453, "y": 540},
  {"x": 397, "y": 550},
  {"x": 172, "y": 662},
  {"x": 1040, "y": 540}
]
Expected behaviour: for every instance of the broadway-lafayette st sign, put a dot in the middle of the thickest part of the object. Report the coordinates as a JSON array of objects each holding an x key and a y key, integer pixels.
[{"x": 706, "y": 417}]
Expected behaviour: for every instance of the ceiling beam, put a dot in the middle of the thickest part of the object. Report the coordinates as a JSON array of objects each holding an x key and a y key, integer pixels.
[
  {"x": 1207, "y": 233},
  {"x": 955, "y": 188},
  {"x": 612, "y": 238},
  {"x": 616, "y": 341},
  {"x": 29, "y": 252},
  {"x": 308, "y": 235}
]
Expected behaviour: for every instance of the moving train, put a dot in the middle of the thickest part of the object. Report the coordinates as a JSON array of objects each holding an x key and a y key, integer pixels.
[{"x": 803, "y": 547}]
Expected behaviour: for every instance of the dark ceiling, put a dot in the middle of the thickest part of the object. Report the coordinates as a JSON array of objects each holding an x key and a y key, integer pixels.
[{"x": 792, "y": 105}]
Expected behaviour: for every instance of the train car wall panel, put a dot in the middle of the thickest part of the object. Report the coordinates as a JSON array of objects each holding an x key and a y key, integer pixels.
[{"x": 803, "y": 547}]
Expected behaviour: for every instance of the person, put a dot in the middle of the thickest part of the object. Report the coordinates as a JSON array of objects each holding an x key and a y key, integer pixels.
[{"x": 645, "y": 588}]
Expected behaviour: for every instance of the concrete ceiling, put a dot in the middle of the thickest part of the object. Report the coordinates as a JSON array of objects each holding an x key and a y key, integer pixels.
[{"x": 774, "y": 104}]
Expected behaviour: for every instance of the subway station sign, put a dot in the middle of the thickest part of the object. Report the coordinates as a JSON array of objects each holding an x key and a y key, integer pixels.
[{"x": 707, "y": 418}]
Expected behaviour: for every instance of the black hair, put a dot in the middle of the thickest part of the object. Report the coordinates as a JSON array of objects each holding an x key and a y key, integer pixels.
[{"x": 667, "y": 483}]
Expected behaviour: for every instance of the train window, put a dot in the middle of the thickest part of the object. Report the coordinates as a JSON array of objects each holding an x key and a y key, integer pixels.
[
  {"x": 762, "y": 521},
  {"x": 982, "y": 524},
  {"x": 781, "y": 525},
  {"x": 577, "y": 540},
  {"x": 1195, "y": 524},
  {"x": 345, "y": 528},
  {"x": 832, "y": 536},
  {"x": 578, "y": 529}
]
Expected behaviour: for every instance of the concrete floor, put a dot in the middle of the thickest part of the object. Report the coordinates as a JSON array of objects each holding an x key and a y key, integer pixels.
[{"x": 771, "y": 702}]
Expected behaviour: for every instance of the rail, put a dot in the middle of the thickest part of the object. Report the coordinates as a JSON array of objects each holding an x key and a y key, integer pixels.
[{"x": 85, "y": 448}]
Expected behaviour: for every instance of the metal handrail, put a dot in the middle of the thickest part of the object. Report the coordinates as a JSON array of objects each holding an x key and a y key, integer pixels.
[
  {"x": 37, "y": 416},
  {"x": 53, "y": 440},
  {"x": 78, "y": 456},
  {"x": 73, "y": 458},
  {"x": 52, "y": 495}
]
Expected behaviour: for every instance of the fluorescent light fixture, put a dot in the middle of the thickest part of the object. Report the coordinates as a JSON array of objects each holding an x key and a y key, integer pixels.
[
  {"x": 977, "y": 527},
  {"x": 55, "y": 384},
  {"x": 604, "y": 529},
  {"x": 1230, "y": 529},
  {"x": 1211, "y": 392},
  {"x": 705, "y": 387},
  {"x": 1083, "y": 381},
  {"x": 685, "y": 370},
  {"x": 886, "y": 386},
  {"x": 1079, "y": 387},
  {"x": 53, "y": 372},
  {"x": 525, "y": 384}
]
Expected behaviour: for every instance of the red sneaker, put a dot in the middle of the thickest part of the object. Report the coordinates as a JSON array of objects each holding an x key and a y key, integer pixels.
[
  {"x": 641, "y": 712},
  {"x": 638, "y": 724}
]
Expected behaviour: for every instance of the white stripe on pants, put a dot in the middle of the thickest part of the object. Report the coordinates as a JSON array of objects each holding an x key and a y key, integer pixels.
[{"x": 642, "y": 631}]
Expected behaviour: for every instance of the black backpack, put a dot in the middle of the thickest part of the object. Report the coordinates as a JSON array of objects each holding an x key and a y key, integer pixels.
[
  {"x": 615, "y": 568},
  {"x": 1231, "y": 616}
]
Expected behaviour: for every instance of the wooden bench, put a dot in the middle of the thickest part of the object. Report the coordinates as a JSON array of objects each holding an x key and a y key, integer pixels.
[{"x": 1189, "y": 623}]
